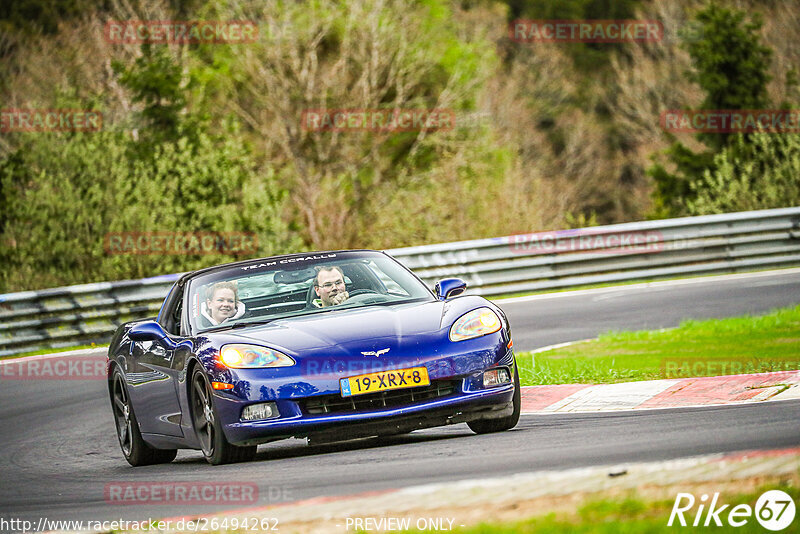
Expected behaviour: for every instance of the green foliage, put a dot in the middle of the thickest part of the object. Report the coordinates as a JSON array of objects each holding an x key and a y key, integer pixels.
[
  {"x": 580, "y": 220},
  {"x": 673, "y": 190},
  {"x": 63, "y": 194},
  {"x": 156, "y": 82},
  {"x": 729, "y": 60},
  {"x": 68, "y": 192},
  {"x": 730, "y": 65},
  {"x": 170, "y": 174},
  {"x": 212, "y": 138},
  {"x": 758, "y": 171}
]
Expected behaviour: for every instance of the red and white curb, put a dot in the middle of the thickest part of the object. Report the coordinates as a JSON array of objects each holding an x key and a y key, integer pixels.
[{"x": 648, "y": 394}]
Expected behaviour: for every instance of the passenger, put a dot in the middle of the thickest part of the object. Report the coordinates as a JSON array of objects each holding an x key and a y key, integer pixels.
[
  {"x": 330, "y": 287},
  {"x": 222, "y": 303}
]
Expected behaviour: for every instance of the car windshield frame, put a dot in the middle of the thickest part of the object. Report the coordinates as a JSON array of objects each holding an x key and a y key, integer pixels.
[{"x": 297, "y": 273}]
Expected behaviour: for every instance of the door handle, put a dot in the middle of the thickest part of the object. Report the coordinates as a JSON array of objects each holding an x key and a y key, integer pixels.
[{"x": 159, "y": 351}]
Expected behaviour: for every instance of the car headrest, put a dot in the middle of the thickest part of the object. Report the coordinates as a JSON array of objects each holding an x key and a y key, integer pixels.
[{"x": 294, "y": 276}]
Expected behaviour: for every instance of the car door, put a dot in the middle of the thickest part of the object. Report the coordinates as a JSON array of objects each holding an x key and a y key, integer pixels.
[{"x": 156, "y": 375}]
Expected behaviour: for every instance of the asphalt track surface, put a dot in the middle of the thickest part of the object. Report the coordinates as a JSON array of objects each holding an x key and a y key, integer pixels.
[{"x": 58, "y": 449}]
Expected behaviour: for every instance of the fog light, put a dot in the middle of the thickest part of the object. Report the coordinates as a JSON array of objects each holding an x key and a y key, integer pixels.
[
  {"x": 259, "y": 412},
  {"x": 496, "y": 377}
]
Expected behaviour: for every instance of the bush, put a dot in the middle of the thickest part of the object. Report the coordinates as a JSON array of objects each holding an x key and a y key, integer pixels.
[
  {"x": 757, "y": 171},
  {"x": 64, "y": 193}
]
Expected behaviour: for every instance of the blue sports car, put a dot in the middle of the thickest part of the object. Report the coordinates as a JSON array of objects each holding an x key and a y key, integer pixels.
[{"x": 328, "y": 345}]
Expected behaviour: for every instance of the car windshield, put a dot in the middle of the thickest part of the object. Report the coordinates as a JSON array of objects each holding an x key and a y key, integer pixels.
[{"x": 272, "y": 289}]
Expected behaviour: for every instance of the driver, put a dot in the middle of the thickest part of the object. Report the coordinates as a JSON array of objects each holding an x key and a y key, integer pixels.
[{"x": 329, "y": 287}]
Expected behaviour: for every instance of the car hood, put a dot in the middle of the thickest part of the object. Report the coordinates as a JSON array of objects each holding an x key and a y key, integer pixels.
[{"x": 396, "y": 325}]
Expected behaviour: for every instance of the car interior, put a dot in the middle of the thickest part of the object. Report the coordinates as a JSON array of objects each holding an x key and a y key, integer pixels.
[{"x": 358, "y": 277}]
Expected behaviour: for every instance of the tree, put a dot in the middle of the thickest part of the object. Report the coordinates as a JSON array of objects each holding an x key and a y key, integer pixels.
[
  {"x": 730, "y": 65},
  {"x": 157, "y": 83}
]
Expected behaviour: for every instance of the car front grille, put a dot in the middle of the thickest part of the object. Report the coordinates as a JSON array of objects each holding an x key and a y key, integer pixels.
[{"x": 324, "y": 404}]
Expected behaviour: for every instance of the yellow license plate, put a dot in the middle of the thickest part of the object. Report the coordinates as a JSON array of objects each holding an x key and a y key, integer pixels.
[{"x": 384, "y": 381}]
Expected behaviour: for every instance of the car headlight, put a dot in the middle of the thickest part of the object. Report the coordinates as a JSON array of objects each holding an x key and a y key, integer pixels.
[
  {"x": 476, "y": 323},
  {"x": 241, "y": 356}
]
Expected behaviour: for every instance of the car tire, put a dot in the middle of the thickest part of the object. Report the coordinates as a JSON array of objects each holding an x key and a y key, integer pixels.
[
  {"x": 486, "y": 426},
  {"x": 136, "y": 451},
  {"x": 216, "y": 448}
]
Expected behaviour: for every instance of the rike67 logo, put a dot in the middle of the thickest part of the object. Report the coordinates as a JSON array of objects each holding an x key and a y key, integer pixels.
[{"x": 774, "y": 510}]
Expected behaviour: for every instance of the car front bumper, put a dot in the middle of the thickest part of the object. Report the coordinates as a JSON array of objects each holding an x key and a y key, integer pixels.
[{"x": 459, "y": 407}]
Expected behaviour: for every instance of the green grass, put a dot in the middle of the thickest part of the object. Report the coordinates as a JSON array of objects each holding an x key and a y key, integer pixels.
[
  {"x": 748, "y": 344},
  {"x": 631, "y": 514}
]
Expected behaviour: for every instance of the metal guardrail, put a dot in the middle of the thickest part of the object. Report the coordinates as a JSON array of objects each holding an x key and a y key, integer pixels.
[
  {"x": 709, "y": 244},
  {"x": 76, "y": 315}
]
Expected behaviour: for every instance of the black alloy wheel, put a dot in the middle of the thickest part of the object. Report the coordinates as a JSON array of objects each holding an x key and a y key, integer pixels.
[{"x": 136, "y": 451}]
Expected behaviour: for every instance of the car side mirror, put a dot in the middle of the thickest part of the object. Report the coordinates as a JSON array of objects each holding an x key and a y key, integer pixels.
[
  {"x": 147, "y": 331},
  {"x": 449, "y": 287}
]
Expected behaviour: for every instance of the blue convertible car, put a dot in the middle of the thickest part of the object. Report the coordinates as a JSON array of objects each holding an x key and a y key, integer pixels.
[{"x": 329, "y": 346}]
